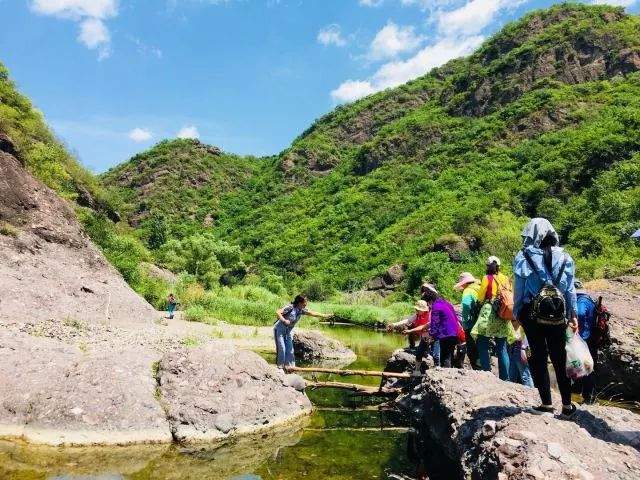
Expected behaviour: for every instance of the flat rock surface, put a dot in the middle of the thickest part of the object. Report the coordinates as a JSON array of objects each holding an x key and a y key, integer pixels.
[
  {"x": 484, "y": 427},
  {"x": 212, "y": 391},
  {"x": 55, "y": 393},
  {"x": 619, "y": 365},
  {"x": 313, "y": 346}
]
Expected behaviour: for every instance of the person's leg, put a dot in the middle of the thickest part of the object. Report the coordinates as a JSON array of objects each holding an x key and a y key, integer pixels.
[
  {"x": 503, "y": 358},
  {"x": 538, "y": 360},
  {"x": 460, "y": 353},
  {"x": 412, "y": 340},
  {"x": 589, "y": 382},
  {"x": 472, "y": 350},
  {"x": 422, "y": 349},
  {"x": 280, "y": 347},
  {"x": 447, "y": 348},
  {"x": 556, "y": 343},
  {"x": 170, "y": 310},
  {"x": 525, "y": 374},
  {"x": 290, "y": 359},
  {"x": 514, "y": 373},
  {"x": 482, "y": 343},
  {"x": 435, "y": 352}
]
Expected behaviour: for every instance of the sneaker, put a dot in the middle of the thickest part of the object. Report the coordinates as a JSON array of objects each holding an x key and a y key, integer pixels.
[
  {"x": 540, "y": 409},
  {"x": 569, "y": 411}
]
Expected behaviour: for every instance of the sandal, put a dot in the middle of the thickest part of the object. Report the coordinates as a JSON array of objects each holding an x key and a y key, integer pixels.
[{"x": 569, "y": 411}]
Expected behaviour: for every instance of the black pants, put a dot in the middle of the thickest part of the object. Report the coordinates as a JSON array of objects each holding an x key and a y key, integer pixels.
[
  {"x": 589, "y": 382},
  {"x": 546, "y": 341},
  {"x": 423, "y": 347},
  {"x": 447, "y": 351},
  {"x": 472, "y": 350}
]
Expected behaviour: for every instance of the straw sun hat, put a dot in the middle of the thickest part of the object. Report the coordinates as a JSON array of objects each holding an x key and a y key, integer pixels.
[
  {"x": 464, "y": 279},
  {"x": 421, "y": 306}
]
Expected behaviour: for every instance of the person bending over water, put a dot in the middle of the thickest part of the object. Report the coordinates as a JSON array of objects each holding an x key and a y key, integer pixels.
[
  {"x": 544, "y": 302},
  {"x": 444, "y": 324},
  {"x": 416, "y": 324},
  {"x": 288, "y": 317}
]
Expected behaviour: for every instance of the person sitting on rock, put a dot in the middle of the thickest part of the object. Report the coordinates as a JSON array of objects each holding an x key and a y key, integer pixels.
[
  {"x": 288, "y": 317},
  {"x": 544, "y": 302},
  {"x": 416, "y": 325},
  {"x": 443, "y": 326},
  {"x": 172, "y": 303},
  {"x": 470, "y": 307},
  {"x": 489, "y": 325}
]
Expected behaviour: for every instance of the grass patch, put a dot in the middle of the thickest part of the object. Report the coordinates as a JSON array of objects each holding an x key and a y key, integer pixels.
[{"x": 8, "y": 230}]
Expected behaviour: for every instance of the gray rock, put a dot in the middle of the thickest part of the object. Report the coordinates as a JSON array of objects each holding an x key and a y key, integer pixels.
[
  {"x": 394, "y": 275},
  {"x": 295, "y": 381},
  {"x": 485, "y": 428},
  {"x": 199, "y": 391},
  {"x": 313, "y": 346}
]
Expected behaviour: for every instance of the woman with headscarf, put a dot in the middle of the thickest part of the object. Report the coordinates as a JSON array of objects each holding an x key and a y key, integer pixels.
[{"x": 544, "y": 283}]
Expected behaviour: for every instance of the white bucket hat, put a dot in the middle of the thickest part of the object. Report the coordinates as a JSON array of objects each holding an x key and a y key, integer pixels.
[{"x": 493, "y": 259}]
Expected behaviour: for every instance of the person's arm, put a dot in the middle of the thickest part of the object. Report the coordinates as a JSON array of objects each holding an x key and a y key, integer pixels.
[
  {"x": 402, "y": 324},
  {"x": 482, "y": 293},
  {"x": 570, "y": 294},
  {"x": 519, "y": 286},
  {"x": 280, "y": 315},
  {"x": 311, "y": 313}
]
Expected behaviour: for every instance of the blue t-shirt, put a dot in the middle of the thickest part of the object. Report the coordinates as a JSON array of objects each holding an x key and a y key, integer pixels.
[{"x": 293, "y": 314}]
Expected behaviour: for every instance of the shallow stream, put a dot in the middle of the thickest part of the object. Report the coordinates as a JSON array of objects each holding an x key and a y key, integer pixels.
[{"x": 343, "y": 439}]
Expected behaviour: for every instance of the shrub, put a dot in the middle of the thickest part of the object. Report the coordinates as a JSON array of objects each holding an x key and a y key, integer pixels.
[{"x": 195, "y": 313}]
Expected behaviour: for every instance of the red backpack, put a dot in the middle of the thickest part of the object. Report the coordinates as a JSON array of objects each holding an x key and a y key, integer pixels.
[{"x": 601, "y": 334}]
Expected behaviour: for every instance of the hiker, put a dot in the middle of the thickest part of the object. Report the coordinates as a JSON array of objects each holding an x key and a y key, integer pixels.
[
  {"x": 587, "y": 310},
  {"x": 288, "y": 317},
  {"x": 489, "y": 325},
  {"x": 172, "y": 304},
  {"x": 417, "y": 324},
  {"x": 545, "y": 304},
  {"x": 470, "y": 306},
  {"x": 519, "y": 371},
  {"x": 444, "y": 325},
  {"x": 435, "y": 344}
]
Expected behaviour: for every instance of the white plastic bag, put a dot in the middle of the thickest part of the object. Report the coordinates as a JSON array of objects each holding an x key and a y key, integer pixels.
[{"x": 579, "y": 360}]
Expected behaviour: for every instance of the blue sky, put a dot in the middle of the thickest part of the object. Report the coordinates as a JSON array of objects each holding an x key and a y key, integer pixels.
[{"x": 115, "y": 76}]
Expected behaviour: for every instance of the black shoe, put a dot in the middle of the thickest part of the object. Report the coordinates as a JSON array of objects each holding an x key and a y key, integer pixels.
[
  {"x": 569, "y": 411},
  {"x": 544, "y": 409}
]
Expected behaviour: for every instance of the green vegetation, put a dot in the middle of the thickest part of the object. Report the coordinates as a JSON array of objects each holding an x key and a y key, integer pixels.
[
  {"x": 435, "y": 174},
  {"x": 8, "y": 230},
  {"x": 543, "y": 120}
]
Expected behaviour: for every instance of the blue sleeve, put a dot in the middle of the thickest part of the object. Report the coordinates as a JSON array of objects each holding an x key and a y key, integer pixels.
[
  {"x": 586, "y": 318},
  {"x": 518, "y": 295},
  {"x": 570, "y": 294}
]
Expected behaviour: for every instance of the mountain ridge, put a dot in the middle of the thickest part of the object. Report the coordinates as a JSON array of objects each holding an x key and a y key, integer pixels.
[{"x": 541, "y": 120}]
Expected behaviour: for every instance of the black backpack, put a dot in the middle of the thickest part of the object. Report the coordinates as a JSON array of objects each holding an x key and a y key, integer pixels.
[{"x": 548, "y": 306}]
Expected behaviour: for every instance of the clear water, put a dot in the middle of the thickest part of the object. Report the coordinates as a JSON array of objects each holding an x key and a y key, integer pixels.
[{"x": 345, "y": 438}]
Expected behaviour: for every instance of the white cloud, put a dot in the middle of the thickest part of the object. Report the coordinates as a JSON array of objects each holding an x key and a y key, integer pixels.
[
  {"x": 615, "y": 3},
  {"x": 352, "y": 90},
  {"x": 331, "y": 35},
  {"x": 370, "y": 3},
  {"x": 189, "y": 131},
  {"x": 90, "y": 14},
  {"x": 393, "y": 40},
  {"x": 458, "y": 33},
  {"x": 140, "y": 134}
]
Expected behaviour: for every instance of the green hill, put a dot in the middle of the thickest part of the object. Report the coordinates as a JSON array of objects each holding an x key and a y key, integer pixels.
[{"x": 544, "y": 119}]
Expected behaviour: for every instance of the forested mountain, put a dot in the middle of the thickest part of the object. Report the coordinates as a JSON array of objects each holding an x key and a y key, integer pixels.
[{"x": 544, "y": 119}]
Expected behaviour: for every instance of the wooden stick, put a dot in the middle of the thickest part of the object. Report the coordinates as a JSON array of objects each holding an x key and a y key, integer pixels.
[
  {"x": 366, "y": 373},
  {"x": 358, "y": 389}
]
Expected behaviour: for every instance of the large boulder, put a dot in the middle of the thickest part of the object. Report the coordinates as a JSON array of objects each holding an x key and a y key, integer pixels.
[
  {"x": 48, "y": 265},
  {"x": 619, "y": 364},
  {"x": 57, "y": 394},
  {"x": 212, "y": 392},
  {"x": 481, "y": 427},
  {"x": 314, "y": 347}
]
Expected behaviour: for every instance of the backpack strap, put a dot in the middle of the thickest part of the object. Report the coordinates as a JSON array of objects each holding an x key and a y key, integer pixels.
[
  {"x": 531, "y": 264},
  {"x": 556, "y": 282}
]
